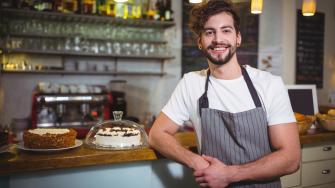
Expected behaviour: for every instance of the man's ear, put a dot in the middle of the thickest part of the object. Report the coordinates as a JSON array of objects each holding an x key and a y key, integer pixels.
[
  {"x": 199, "y": 43},
  {"x": 239, "y": 39}
]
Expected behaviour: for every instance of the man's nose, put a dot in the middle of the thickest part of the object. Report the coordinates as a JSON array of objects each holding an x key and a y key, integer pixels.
[{"x": 219, "y": 37}]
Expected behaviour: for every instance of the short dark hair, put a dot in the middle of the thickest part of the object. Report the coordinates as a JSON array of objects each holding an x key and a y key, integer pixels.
[{"x": 200, "y": 14}]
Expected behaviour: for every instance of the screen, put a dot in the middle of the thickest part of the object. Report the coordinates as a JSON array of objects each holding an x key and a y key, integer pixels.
[{"x": 302, "y": 101}]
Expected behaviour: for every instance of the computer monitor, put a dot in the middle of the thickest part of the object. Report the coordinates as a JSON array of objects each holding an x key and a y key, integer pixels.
[{"x": 303, "y": 99}]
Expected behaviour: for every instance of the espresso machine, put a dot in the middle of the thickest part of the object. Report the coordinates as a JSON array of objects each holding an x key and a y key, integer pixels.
[
  {"x": 116, "y": 89},
  {"x": 79, "y": 111}
]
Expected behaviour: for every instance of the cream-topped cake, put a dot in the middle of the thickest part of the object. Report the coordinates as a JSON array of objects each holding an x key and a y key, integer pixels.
[
  {"x": 50, "y": 131},
  {"x": 118, "y": 137},
  {"x": 49, "y": 138}
]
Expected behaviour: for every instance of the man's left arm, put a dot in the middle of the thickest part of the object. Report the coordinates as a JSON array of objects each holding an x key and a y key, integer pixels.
[{"x": 284, "y": 160}]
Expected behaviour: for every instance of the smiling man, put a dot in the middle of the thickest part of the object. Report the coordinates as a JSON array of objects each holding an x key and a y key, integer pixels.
[
  {"x": 245, "y": 126},
  {"x": 219, "y": 52}
]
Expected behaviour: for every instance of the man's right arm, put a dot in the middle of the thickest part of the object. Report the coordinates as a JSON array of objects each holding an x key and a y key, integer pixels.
[{"x": 161, "y": 138}]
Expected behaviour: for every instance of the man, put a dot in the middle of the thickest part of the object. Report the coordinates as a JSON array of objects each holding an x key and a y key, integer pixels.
[{"x": 242, "y": 116}]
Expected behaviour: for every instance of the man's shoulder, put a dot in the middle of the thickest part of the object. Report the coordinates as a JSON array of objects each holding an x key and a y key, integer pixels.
[
  {"x": 195, "y": 75},
  {"x": 264, "y": 80},
  {"x": 262, "y": 75}
]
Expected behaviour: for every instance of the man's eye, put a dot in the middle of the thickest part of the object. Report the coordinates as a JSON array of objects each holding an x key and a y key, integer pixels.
[
  {"x": 209, "y": 33},
  {"x": 227, "y": 31}
]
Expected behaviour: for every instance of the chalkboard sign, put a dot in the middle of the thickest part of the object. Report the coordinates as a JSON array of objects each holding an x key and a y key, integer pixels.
[
  {"x": 309, "y": 51},
  {"x": 247, "y": 53}
]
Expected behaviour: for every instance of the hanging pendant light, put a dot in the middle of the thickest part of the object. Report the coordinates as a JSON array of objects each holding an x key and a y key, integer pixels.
[
  {"x": 308, "y": 7},
  {"x": 195, "y": 1},
  {"x": 256, "y": 6},
  {"x": 120, "y": 1}
]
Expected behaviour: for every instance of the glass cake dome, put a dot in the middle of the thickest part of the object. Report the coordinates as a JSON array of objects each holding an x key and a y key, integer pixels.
[{"x": 117, "y": 134}]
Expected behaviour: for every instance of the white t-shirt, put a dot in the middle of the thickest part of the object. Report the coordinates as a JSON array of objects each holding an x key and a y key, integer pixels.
[{"x": 229, "y": 95}]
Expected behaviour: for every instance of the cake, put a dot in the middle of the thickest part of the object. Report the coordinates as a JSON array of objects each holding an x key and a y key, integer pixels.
[
  {"x": 118, "y": 137},
  {"x": 49, "y": 138}
]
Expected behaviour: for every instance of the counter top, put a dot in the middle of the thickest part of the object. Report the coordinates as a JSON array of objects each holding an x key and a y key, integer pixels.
[
  {"x": 18, "y": 161},
  {"x": 24, "y": 161},
  {"x": 317, "y": 136}
]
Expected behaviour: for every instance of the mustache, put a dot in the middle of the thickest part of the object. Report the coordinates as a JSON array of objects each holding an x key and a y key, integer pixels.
[{"x": 212, "y": 46}]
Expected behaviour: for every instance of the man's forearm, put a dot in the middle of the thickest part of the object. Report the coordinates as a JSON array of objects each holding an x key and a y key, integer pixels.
[
  {"x": 168, "y": 146},
  {"x": 273, "y": 165},
  {"x": 161, "y": 138}
]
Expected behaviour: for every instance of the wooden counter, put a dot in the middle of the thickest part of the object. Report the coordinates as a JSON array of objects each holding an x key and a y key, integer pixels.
[
  {"x": 23, "y": 161},
  {"x": 317, "y": 136}
]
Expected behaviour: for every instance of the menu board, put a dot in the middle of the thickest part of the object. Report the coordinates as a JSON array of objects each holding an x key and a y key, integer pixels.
[
  {"x": 193, "y": 59},
  {"x": 309, "y": 49}
]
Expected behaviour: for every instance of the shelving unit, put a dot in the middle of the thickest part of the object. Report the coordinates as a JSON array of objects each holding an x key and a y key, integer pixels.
[
  {"x": 147, "y": 41},
  {"x": 69, "y": 17},
  {"x": 63, "y": 72},
  {"x": 66, "y": 53},
  {"x": 34, "y": 35}
]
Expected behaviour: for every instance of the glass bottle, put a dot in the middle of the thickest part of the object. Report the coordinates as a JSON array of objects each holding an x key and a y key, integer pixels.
[
  {"x": 137, "y": 9},
  {"x": 121, "y": 10},
  {"x": 48, "y": 5},
  {"x": 80, "y": 4},
  {"x": 110, "y": 8},
  {"x": 70, "y": 6},
  {"x": 26, "y": 4},
  {"x": 152, "y": 10},
  {"x": 89, "y": 7},
  {"x": 168, "y": 14},
  {"x": 144, "y": 8},
  {"x": 129, "y": 11},
  {"x": 101, "y": 6},
  {"x": 58, "y": 6},
  {"x": 43, "y": 5},
  {"x": 160, "y": 6},
  {"x": 38, "y": 5}
]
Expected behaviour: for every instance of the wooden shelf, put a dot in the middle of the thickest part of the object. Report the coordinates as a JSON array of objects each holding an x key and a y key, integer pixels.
[
  {"x": 67, "y": 53},
  {"x": 37, "y": 35},
  {"x": 93, "y": 73},
  {"x": 190, "y": 45},
  {"x": 69, "y": 17}
]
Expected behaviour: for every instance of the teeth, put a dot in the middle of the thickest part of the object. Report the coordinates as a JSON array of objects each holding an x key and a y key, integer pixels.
[{"x": 219, "y": 48}]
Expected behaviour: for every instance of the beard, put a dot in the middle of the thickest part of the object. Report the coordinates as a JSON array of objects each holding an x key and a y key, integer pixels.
[{"x": 219, "y": 59}]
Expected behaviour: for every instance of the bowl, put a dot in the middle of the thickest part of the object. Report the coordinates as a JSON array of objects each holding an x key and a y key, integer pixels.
[
  {"x": 327, "y": 124},
  {"x": 303, "y": 126},
  {"x": 304, "y": 122}
]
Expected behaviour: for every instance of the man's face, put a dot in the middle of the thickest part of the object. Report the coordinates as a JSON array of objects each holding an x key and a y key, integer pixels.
[{"x": 219, "y": 39}]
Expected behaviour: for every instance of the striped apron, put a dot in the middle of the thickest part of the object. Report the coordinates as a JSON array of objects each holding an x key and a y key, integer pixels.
[{"x": 236, "y": 138}]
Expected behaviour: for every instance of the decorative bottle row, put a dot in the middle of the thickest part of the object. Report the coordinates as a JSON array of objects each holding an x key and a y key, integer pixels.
[{"x": 131, "y": 9}]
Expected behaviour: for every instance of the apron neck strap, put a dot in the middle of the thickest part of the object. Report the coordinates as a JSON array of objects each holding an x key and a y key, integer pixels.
[
  {"x": 207, "y": 80},
  {"x": 251, "y": 87},
  {"x": 203, "y": 100}
]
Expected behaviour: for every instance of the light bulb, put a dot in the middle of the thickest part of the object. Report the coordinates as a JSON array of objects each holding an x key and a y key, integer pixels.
[
  {"x": 195, "y": 1},
  {"x": 120, "y": 1},
  {"x": 308, "y": 7},
  {"x": 256, "y": 6}
]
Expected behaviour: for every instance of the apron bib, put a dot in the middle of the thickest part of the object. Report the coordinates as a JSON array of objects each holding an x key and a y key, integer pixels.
[{"x": 236, "y": 138}]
